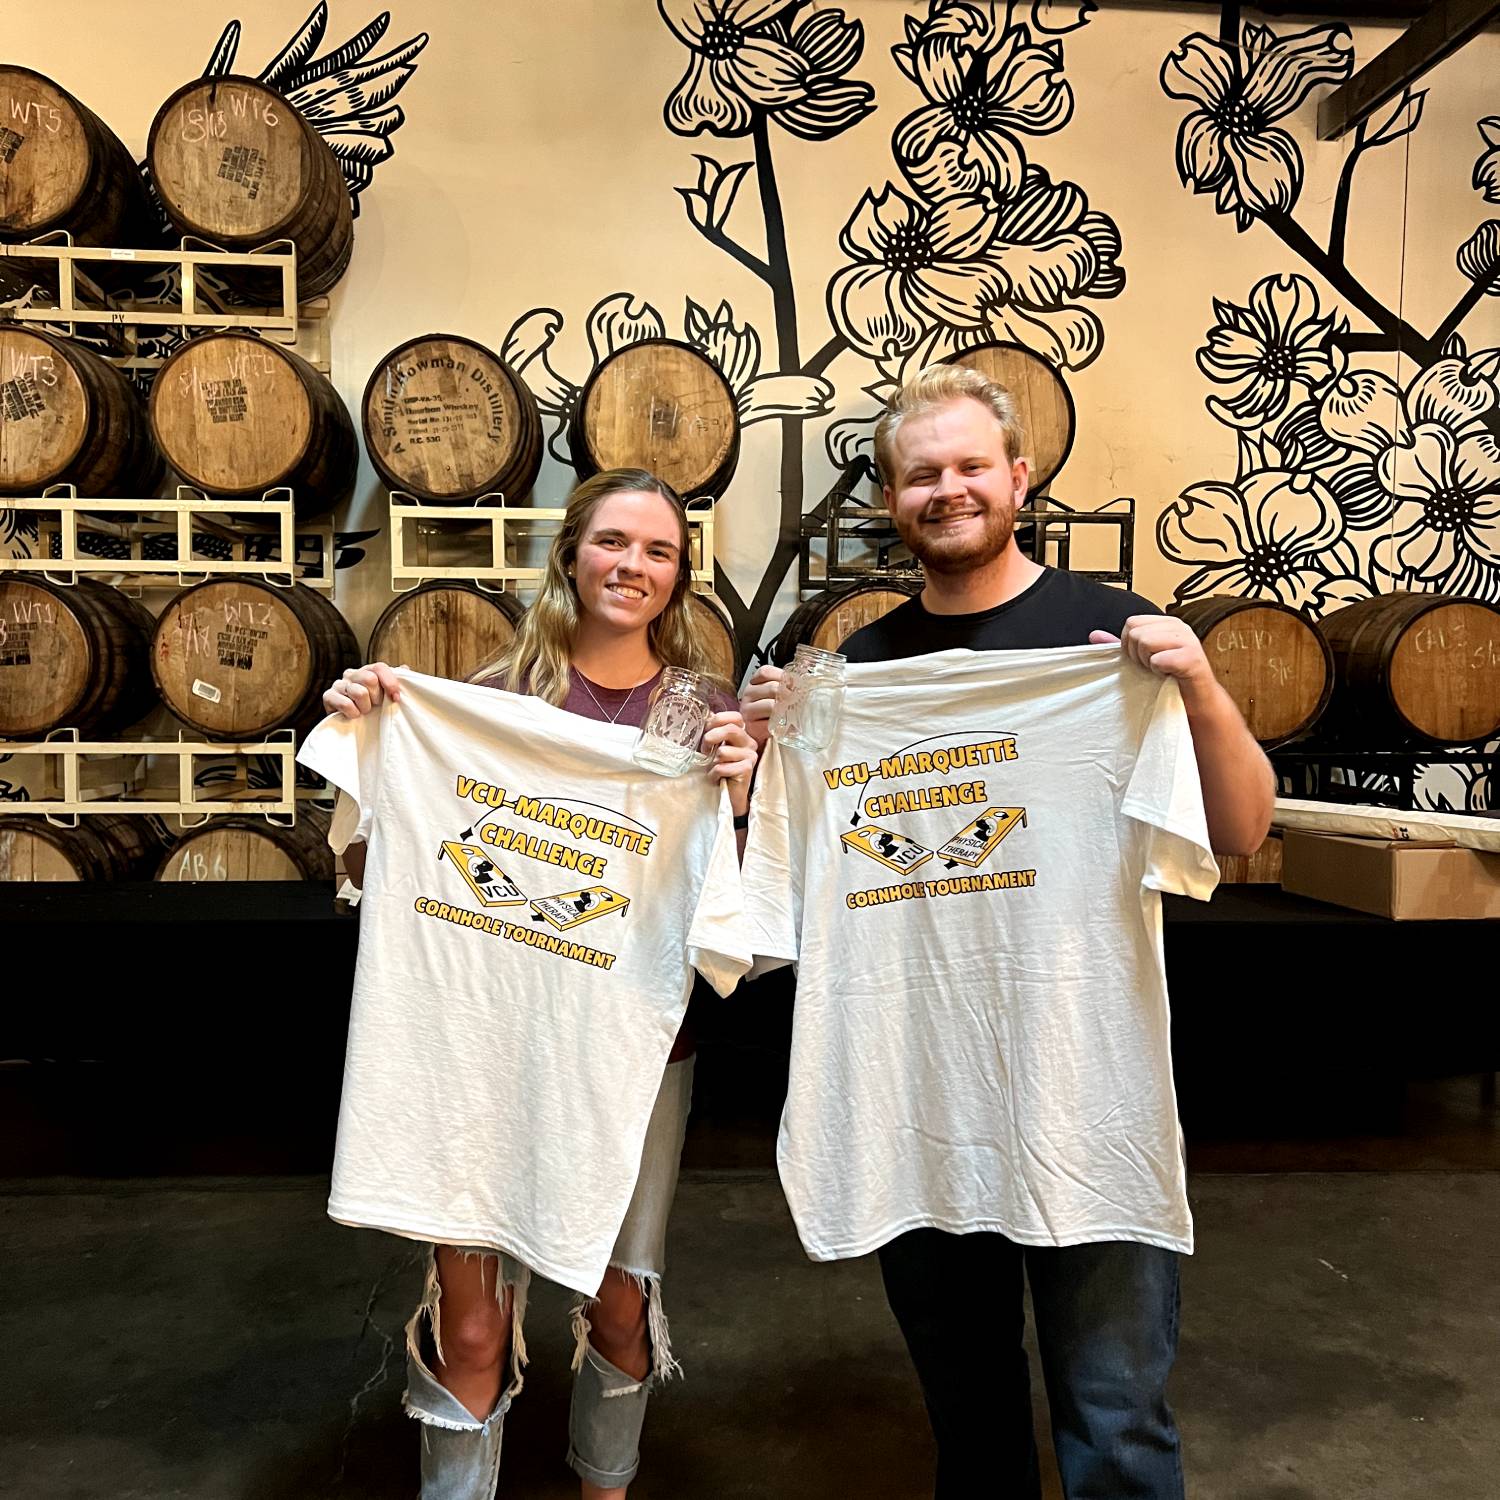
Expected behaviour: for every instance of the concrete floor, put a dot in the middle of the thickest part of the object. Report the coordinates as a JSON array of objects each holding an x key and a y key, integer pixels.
[{"x": 220, "y": 1340}]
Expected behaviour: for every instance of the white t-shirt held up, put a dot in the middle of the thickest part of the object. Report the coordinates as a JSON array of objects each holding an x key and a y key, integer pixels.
[
  {"x": 534, "y": 906},
  {"x": 969, "y": 880}
]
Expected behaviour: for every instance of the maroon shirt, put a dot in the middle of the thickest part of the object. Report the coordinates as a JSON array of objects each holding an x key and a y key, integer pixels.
[{"x": 623, "y": 705}]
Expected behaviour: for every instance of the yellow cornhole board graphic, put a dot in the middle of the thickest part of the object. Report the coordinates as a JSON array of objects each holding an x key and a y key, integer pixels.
[
  {"x": 490, "y": 884},
  {"x": 572, "y": 908},
  {"x": 974, "y": 844},
  {"x": 894, "y": 850}
]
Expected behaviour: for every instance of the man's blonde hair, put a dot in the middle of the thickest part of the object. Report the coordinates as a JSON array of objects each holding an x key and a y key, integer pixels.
[{"x": 935, "y": 387}]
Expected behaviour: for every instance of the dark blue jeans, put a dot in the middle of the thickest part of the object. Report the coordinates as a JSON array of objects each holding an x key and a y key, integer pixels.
[{"x": 1106, "y": 1327}]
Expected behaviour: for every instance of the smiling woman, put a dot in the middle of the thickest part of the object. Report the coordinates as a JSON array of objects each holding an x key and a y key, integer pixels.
[
  {"x": 613, "y": 598},
  {"x": 612, "y": 615}
]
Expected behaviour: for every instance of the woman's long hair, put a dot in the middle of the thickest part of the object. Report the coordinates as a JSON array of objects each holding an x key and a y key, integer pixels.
[{"x": 538, "y": 660}]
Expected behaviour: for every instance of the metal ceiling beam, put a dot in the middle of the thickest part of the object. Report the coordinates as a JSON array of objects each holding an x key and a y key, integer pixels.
[{"x": 1425, "y": 43}]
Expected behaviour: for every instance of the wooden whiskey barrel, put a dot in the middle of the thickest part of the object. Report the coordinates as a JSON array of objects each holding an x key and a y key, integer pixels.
[
  {"x": 830, "y": 617},
  {"x": 1271, "y": 659},
  {"x": 1261, "y": 868},
  {"x": 248, "y": 848},
  {"x": 237, "y": 658},
  {"x": 446, "y": 420},
  {"x": 237, "y": 164},
  {"x": 663, "y": 406},
  {"x": 1043, "y": 402},
  {"x": 712, "y": 623},
  {"x": 71, "y": 657},
  {"x": 69, "y": 417},
  {"x": 447, "y": 629},
  {"x": 237, "y": 415},
  {"x": 1422, "y": 665},
  {"x": 62, "y": 168},
  {"x": 103, "y": 846}
]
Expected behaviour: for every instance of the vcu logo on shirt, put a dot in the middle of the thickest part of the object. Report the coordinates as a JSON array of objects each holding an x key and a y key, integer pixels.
[
  {"x": 490, "y": 884},
  {"x": 894, "y": 850}
]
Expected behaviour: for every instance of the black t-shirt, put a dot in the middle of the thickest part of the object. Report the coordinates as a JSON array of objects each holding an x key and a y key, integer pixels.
[{"x": 1059, "y": 609}]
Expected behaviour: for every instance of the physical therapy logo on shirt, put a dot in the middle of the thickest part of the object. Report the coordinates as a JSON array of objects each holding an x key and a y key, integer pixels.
[
  {"x": 891, "y": 840},
  {"x": 493, "y": 886}
]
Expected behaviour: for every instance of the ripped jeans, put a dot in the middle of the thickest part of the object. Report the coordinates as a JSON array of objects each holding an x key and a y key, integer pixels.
[{"x": 460, "y": 1454}]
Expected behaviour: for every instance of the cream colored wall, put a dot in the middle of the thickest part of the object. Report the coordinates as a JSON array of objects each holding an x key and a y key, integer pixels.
[{"x": 534, "y": 169}]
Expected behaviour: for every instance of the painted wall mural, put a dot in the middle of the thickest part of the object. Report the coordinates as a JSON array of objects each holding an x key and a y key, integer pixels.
[
  {"x": 1355, "y": 476},
  {"x": 1351, "y": 480},
  {"x": 345, "y": 94},
  {"x": 975, "y": 243}
]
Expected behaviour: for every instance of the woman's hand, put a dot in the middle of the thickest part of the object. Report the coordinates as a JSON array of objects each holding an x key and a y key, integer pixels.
[
  {"x": 361, "y": 689},
  {"x": 734, "y": 755},
  {"x": 759, "y": 700}
]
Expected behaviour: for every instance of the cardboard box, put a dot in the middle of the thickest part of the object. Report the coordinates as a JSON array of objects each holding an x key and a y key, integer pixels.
[{"x": 1405, "y": 879}]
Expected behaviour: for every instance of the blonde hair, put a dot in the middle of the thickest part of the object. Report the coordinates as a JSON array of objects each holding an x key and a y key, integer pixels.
[
  {"x": 538, "y": 660},
  {"x": 935, "y": 387}
]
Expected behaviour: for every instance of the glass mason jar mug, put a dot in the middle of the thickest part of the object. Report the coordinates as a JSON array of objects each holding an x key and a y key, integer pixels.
[
  {"x": 676, "y": 716},
  {"x": 810, "y": 700}
]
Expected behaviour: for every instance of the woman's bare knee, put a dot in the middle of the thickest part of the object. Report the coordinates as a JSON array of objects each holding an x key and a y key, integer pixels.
[
  {"x": 474, "y": 1321},
  {"x": 474, "y": 1339},
  {"x": 617, "y": 1321}
]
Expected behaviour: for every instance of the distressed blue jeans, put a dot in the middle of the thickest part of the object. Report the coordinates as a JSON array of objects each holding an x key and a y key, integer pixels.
[
  {"x": 461, "y": 1454},
  {"x": 1106, "y": 1327}
]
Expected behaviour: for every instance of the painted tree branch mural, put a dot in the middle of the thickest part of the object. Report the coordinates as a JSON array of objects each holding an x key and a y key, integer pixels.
[
  {"x": 973, "y": 243},
  {"x": 1349, "y": 481},
  {"x": 1353, "y": 476}
]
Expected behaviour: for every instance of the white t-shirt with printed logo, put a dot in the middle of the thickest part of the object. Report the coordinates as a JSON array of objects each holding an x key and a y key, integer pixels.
[
  {"x": 969, "y": 880},
  {"x": 534, "y": 906}
]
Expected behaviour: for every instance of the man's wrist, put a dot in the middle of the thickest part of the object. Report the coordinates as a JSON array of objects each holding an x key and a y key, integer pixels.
[{"x": 1202, "y": 692}]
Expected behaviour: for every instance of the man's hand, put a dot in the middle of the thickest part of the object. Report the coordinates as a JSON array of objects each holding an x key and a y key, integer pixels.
[
  {"x": 1166, "y": 645},
  {"x": 759, "y": 700},
  {"x": 1239, "y": 787}
]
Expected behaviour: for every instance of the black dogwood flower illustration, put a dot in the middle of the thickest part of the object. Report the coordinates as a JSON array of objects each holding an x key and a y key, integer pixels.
[
  {"x": 914, "y": 264},
  {"x": 616, "y": 321},
  {"x": 1446, "y": 521},
  {"x": 1274, "y": 534},
  {"x": 1361, "y": 413},
  {"x": 1487, "y": 168},
  {"x": 745, "y": 58},
  {"x": 1444, "y": 480},
  {"x": 983, "y": 86},
  {"x": 735, "y": 349},
  {"x": 1049, "y": 249},
  {"x": 1266, "y": 350},
  {"x": 1230, "y": 145},
  {"x": 955, "y": 273},
  {"x": 620, "y": 320}
]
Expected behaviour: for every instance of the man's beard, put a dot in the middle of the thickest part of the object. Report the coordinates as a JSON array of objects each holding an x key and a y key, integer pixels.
[{"x": 961, "y": 554}]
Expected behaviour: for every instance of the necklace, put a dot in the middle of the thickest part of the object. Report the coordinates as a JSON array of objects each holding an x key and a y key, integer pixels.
[{"x": 610, "y": 717}]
